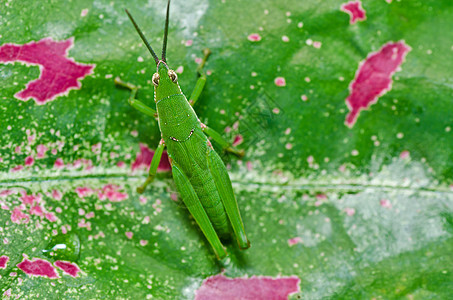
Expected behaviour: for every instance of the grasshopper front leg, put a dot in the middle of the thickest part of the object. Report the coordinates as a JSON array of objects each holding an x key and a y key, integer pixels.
[
  {"x": 193, "y": 204},
  {"x": 201, "y": 79},
  {"x": 138, "y": 105},
  {"x": 153, "y": 168},
  {"x": 194, "y": 97}
]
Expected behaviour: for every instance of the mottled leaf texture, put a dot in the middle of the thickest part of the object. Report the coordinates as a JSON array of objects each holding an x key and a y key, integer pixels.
[{"x": 343, "y": 109}]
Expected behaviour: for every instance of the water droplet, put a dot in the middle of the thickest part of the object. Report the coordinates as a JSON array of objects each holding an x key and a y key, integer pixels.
[{"x": 64, "y": 247}]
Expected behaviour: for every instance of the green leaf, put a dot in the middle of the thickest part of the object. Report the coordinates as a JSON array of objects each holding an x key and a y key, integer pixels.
[{"x": 354, "y": 212}]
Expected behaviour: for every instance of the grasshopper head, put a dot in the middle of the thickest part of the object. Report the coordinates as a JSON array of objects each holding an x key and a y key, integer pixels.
[{"x": 165, "y": 82}]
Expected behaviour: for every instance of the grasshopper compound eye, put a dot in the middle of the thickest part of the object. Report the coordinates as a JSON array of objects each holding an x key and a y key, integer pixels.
[
  {"x": 155, "y": 79},
  {"x": 172, "y": 75}
]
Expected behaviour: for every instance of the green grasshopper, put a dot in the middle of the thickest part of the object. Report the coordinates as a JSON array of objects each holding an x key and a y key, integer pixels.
[{"x": 199, "y": 173}]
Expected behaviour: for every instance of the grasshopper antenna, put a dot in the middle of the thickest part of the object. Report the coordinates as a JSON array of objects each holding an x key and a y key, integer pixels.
[
  {"x": 143, "y": 36},
  {"x": 164, "y": 47}
]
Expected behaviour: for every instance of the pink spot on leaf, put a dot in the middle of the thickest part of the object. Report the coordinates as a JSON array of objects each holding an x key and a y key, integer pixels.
[
  {"x": 17, "y": 216},
  {"x": 51, "y": 217},
  {"x": 84, "y": 191},
  {"x": 36, "y": 210},
  {"x": 349, "y": 211},
  {"x": 38, "y": 267},
  {"x": 58, "y": 163},
  {"x": 7, "y": 293},
  {"x": 84, "y": 224},
  {"x": 405, "y": 154},
  {"x": 238, "y": 139},
  {"x": 321, "y": 196},
  {"x": 355, "y": 11},
  {"x": 262, "y": 287},
  {"x": 41, "y": 151},
  {"x": 280, "y": 81},
  {"x": 17, "y": 168},
  {"x": 29, "y": 199},
  {"x": 129, "y": 234},
  {"x": 67, "y": 267},
  {"x": 143, "y": 199},
  {"x": 179, "y": 69},
  {"x": 57, "y": 195},
  {"x": 254, "y": 37},
  {"x": 5, "y": 193},
  {"x": 294, "y": 241},
  {"x": 29, "y": 161},
  {"x": 90, "y": 215},
  {"x": 111, "y": 192},
  {"x": 385, "y": 203},
  {"x": 174, "y": 196},
  {"x": 31, "y": 138},
  {"x": 59, "y": 74},
  {"x": 3, "y": 261},
  {"x": 96, "y": 148},
  {"x": 374, "y": 78},
  {"x": 143, "y": 159},
  {"x": 156, "y": 205}
]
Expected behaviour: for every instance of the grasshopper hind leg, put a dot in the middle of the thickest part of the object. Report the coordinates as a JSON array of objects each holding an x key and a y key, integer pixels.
[
  {"x": 226, "y": 146},
  {"x": 225, "y": 190},
  {"x": 193, "y": 204},
  {"x": 153, "y": 167}
]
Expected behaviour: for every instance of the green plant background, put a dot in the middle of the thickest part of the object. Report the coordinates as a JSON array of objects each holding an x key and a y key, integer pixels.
[{"x": 305, "y": 174}]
